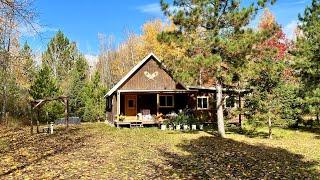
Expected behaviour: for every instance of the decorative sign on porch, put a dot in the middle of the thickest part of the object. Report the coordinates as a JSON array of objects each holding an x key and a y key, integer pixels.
[{"x": 151, "y": 76}]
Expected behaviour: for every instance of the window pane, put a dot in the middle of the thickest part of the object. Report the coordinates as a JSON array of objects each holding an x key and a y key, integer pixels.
[
  {"x": 162, "y": 101},
  {"x": 199, "y": 102},
  {"x": 169, "y": 100},
  {"x": 205, "y": 103},
  {"x": 130, "y": 103},
  {"x": 230, "y": 101}
]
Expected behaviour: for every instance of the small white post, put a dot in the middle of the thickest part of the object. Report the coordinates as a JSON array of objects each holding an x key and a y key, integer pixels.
[{"x": 51, "y": 128}]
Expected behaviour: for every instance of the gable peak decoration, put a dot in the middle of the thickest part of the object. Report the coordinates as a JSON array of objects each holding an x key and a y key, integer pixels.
[{"x": 151, "y": 76}]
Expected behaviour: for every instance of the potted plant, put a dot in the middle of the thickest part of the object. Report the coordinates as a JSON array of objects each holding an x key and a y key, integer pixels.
[
  {"x": 184, "y": 121},
  {"x": 120, "y": 117},
  {"x": 200, "y": 127},
  {"x": 193, "y": 123},
  {"x": 185, "y": 127},
  {"x": 177, "y": 121},
  {"x": 163, "y": 126}
]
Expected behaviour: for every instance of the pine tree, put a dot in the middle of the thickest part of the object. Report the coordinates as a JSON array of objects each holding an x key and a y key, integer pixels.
[
  {"x": 215, "y": 34},
  {"x": 92, "y": 96},
  {"x": 28, "y": 65},
  {"x": 263, "y": 104},
  {"x": 307, "y": 55},
  {"x": 78, "y": 82},
  {"x": 60, "y": 56},
  {"x": 44, "y": 85}
]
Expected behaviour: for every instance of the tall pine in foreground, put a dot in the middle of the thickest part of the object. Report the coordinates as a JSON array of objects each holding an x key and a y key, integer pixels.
[
  {"x": 307, "y": 55},
  {"x": 216, "y": 37}
]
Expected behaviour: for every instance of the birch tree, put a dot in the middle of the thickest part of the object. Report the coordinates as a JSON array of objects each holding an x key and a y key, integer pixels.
[{"x": 13, "y": 13}]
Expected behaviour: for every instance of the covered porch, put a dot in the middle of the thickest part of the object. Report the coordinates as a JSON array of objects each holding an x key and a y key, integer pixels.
[{"x": 148, "y": 107}]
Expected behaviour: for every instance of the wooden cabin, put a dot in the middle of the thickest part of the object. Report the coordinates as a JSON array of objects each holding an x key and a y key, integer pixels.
[{"x": 149, "y": 93}]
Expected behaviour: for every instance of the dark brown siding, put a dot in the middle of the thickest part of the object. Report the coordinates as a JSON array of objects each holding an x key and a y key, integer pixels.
[
  {"x": 110, "y": 115},
  {"x": 139, "y": 81}
]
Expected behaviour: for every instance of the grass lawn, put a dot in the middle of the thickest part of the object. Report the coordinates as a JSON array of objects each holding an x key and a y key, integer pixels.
[{"x": 95, "y": 151}]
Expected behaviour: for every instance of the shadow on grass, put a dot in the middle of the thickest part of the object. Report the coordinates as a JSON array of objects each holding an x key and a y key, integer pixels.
[
  {"x": 315, "y": 130},
  {"x": 248, "y": 133},
  {"x": 217, "y": 158},
  {"x": 238, "y": 130},
  {"x": 40, "y": 146}
]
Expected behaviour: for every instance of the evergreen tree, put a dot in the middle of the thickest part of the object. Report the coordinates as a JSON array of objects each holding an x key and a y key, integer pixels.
[
  {"x": 216, "y": 36},
  {"x": 44, "y": 85},
  {"x": 264, "y": 103},
  {"x": 92, "y": 96},
  {"x": 273, "y": 97},
  {"x": 78, "y": 82},
  {"x": 307, "y": 58},
  {"x": 60, "y": 56},
  {"x": 28, "y": 64}
]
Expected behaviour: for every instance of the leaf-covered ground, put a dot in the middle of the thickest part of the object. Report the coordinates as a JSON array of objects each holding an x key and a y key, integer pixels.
[{"x": 95, "y": 151}]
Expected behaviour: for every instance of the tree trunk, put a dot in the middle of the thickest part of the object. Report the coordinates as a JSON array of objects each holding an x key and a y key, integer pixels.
[
  {"x": 66, "y": 111},
  {"x": 31, "y": 126},
  {"x": 221, "y": 131},
  {"x": 4, "y": 102},
  {"x": 240, "y": 114},
  {"x": 270, "y": 128},
  {"x": 38, "y": 117}
]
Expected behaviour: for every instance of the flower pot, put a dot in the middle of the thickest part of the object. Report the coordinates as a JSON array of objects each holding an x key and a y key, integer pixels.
[
  {"x": 178, "y": 127},
  {"x": 193, "y": 127},
  {"x": 170, "y": 127},
  {"x": 163, "y": 127},
  {"x": 201, "y": 126},
  {"x": 185, "y": 127}
]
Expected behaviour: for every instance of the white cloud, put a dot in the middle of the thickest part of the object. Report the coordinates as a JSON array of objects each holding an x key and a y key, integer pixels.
[
  {"x": 35, "y": 29},
  {"x": 153, "y": 8},
  {"x": 299, "y": 2},
  {"x": 92, "y": 59},
  {"x": 290, "y": 29}
]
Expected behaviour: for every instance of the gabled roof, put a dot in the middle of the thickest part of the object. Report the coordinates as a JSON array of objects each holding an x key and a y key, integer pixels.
[{"x": 132, "y": 71}]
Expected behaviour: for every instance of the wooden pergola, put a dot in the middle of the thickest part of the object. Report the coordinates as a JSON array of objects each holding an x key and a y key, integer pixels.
[{"x": 38, "y": 104}]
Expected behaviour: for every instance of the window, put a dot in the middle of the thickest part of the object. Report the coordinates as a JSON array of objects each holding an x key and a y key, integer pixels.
[
  {"x": 166, "y": 101},
  {"x": 131, "y": 103},
  {"x": 230, "y": 102},
  {"x": 202, "y": 102},
  {"x": 109, "y": 104}
]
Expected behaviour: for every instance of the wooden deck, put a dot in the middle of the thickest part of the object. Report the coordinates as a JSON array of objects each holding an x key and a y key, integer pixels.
[{"x": 134, "y": 122}]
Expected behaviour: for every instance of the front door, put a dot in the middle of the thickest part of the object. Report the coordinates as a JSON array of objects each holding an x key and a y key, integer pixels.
[{"x": 130, "y": 105}]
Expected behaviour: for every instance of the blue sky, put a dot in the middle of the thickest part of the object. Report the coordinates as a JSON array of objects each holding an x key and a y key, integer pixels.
[{"x": 82, "y": 20}]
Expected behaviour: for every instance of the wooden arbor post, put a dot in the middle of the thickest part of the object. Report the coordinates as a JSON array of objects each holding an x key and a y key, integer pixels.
[
  {"x": 37, "y": 104},
  {"x": 66, "y": 110}
]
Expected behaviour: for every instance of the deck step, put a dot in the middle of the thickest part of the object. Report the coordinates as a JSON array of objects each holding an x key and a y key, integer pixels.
[{"x": 136, "y": 124}]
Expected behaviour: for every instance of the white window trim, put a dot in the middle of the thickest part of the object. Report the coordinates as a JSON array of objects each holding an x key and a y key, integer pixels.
[
  {"x": 166, "y": 101},
  {"x": 203, "y": 97}
]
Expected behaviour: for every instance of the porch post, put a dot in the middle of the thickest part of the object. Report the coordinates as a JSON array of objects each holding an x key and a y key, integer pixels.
[
  {"x": 118, "y": 105},
  {"x": 158, "y": 103}
]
